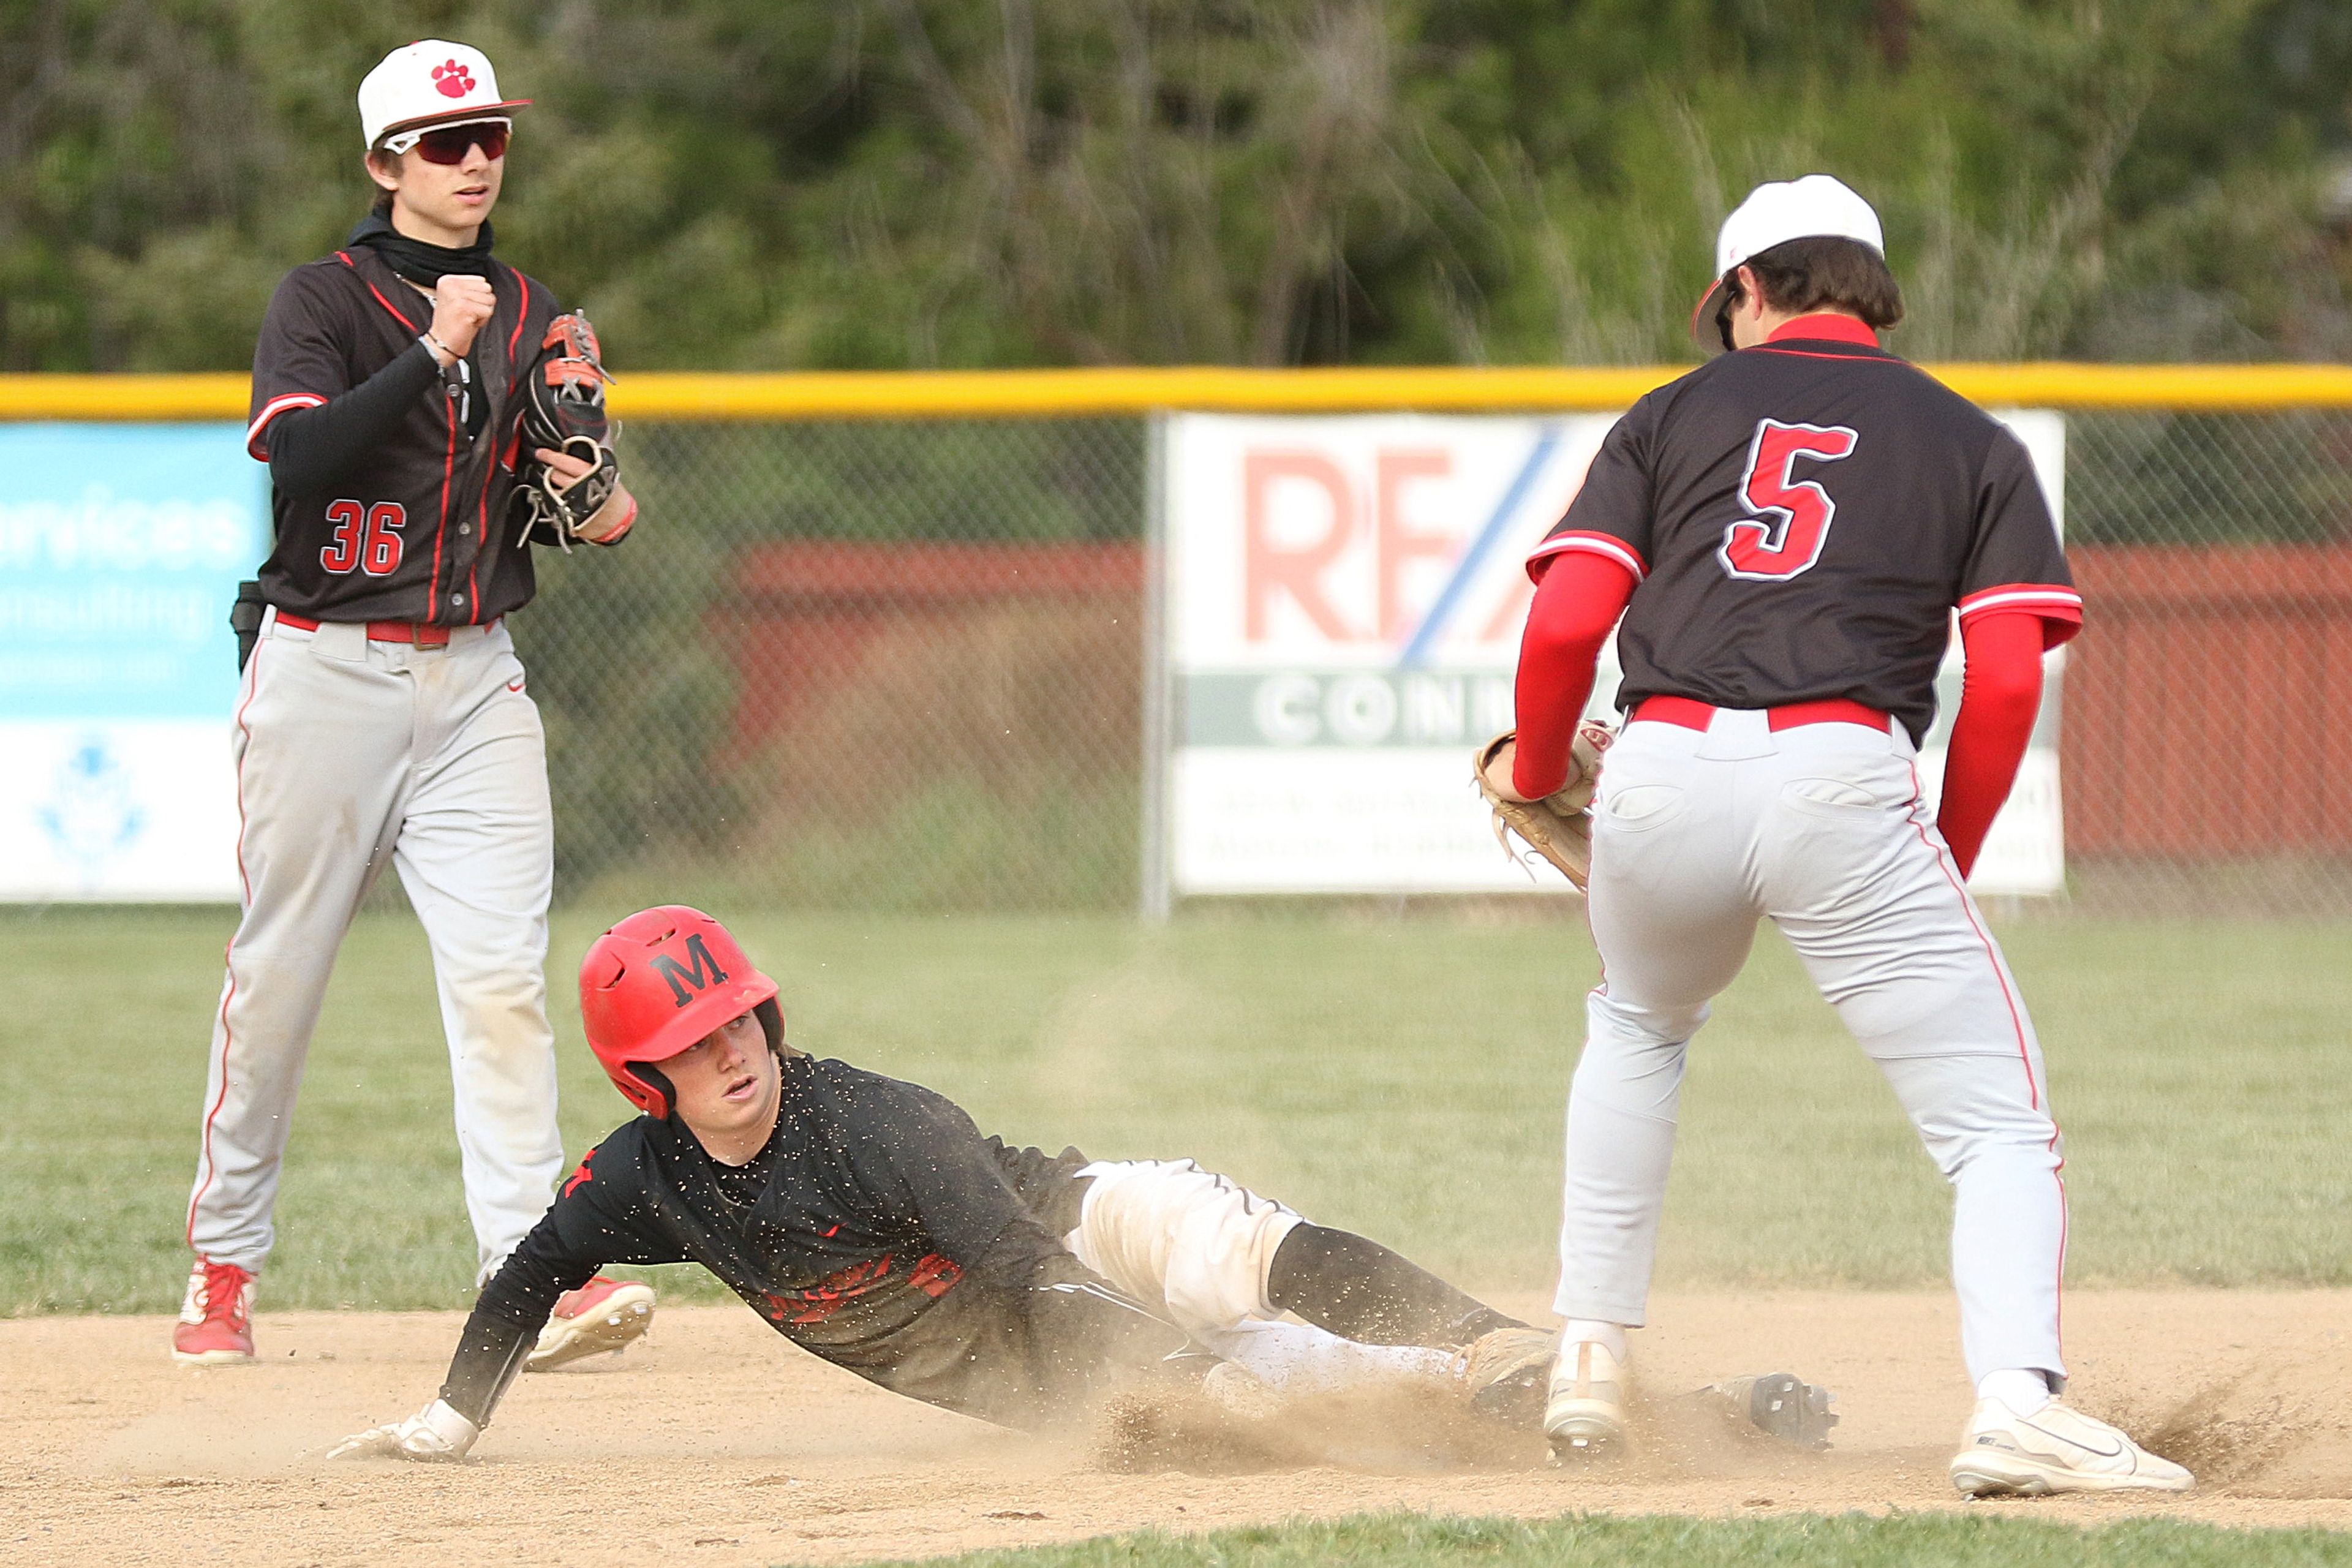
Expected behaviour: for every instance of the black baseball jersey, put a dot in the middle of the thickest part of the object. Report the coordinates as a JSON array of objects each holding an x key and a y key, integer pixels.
[
  {"x": 420, "y": 529},
  {"x": 877, "y": 1230},
  {"x": 1801, "y": 518}
]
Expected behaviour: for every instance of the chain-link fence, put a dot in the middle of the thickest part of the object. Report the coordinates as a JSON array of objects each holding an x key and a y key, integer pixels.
[
  {"x": 887, "y": 665},
  {"x": 2206, "y": 756},
  {"x": 900, "y": 665}
]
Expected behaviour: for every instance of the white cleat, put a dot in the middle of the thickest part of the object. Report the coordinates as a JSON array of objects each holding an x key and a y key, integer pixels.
[
  {"x": 2053, "y": 1450},
  {"x": 1585, "y": 1416},
  {"x": 602, "y": 1315}
]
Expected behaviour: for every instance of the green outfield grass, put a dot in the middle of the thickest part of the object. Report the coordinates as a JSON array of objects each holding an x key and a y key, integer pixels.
[
  {"x": 1401, "y": 1077},
  {"x": 1851, "y": 1540}
]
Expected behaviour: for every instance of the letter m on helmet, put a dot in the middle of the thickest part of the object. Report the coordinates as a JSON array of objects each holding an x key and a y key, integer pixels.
[
  {"x": 685, "y": 984},
  {"x": 653, "y": 985}
]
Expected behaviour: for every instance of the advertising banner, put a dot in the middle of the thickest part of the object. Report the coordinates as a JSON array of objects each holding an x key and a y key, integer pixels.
[
  {"x": 120, "y": 548},
  {"x": 1343, "y": 599}
]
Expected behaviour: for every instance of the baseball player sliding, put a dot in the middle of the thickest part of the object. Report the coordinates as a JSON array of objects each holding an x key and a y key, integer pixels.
[
  {"x": 1787, "y": 531},
  {"x": 426, "y": 411},
  {"x": 873, "y": 1225}
]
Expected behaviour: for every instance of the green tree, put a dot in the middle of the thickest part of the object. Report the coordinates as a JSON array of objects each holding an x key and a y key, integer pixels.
[{"x": 885, "y": 182}]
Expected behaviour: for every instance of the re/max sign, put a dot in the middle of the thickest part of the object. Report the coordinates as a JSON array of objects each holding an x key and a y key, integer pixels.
[
  {"x": 1352, "y": 708},
  {"x": 1357, "y": 556}
]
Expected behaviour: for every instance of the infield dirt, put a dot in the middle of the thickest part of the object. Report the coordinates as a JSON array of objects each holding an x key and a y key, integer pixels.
[{"x": 716, "y": 1443}]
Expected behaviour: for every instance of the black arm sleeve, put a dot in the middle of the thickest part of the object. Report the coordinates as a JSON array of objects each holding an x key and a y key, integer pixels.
[
  {"x": 311, "y": 448},
  {"x": 587, "y": 1227},
  {"x": 506, "y": 1318}
]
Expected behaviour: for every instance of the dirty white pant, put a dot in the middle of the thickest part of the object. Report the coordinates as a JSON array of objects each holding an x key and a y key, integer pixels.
[
  {"x": 1822, "y": 829},
  {"x": 351, "y": 753},
  {"x": 1198, "y": 1246}
]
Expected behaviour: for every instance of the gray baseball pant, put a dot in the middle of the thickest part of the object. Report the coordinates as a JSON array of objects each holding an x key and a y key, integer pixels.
[
  {"x": 349, "y": 754},
  {"x": 1823, "y": 830}
]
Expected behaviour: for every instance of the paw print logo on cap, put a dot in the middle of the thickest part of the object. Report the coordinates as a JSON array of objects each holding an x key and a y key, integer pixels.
[{"x": 453, "y": 79}]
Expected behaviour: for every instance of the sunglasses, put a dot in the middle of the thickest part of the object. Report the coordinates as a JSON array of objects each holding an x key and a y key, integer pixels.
[
  {"x": 449, "y": 143},
  {"x": 1722, "y": 308}
]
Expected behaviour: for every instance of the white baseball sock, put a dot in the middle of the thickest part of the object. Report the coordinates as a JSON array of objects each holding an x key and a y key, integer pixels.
[
  {"x": 1610, "y": 1337},
  {"x": 2023, "y": 1389},
  {"x": 1298, "y": 1357}
]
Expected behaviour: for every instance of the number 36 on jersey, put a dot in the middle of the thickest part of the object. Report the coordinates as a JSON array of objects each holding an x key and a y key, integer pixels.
[{"x": 366, "y": 538}]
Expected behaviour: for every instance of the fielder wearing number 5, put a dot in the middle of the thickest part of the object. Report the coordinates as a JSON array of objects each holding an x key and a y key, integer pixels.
[
  {"x": 426, "y": 414},
  {"x": 1788, "y": 532}
]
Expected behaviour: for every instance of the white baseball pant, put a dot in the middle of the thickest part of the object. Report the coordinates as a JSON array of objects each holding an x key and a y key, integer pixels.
[
  {"x": 1198, "y": 1246},
  {"x": 351, "y": 752},
  {"x": 1823, "y": 830}
]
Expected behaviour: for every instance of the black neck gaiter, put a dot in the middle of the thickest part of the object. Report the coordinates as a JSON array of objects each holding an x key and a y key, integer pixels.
[{"x": 418, "y": 260}]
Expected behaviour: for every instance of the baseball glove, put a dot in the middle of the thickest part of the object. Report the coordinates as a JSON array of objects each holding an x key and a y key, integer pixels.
[
  {"x": 563, "y": 411},
  {"x": 1560, "y": 826}
]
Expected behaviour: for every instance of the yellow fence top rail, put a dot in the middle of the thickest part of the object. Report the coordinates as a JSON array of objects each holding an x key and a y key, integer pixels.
[{"x": 1014, "y": 393}]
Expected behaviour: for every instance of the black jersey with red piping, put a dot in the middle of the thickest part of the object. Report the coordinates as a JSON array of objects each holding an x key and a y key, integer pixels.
[
  {"x": 1803, "y": 517},
  {"x": 419, "y": 529}
]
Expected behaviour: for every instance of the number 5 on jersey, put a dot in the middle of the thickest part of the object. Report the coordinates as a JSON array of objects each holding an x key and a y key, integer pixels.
[
  {"x": 366, "y": 538},
  {"x": 1792, "y": 520}
]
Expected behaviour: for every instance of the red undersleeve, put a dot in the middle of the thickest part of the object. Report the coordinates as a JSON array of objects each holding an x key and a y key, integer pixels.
[
  {"x": 2001, "y": 691},
  {"x": 1577, "y": 603}
]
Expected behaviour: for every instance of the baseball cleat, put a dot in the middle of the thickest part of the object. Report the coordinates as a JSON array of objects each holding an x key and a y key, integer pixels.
[
  {"x": 1780, "y": 1404},
  {"x": 216, "y": 1326},
  {"x": 2055, "y": 1450},
  {"x": 1504, "y": 1373},
  {"x": 1585, "y": 1416},
  {"x": 602, "y": 1315}
]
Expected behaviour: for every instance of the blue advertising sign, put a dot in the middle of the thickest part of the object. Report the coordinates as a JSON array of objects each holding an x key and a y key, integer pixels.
[{"x": 120, "y": 548}]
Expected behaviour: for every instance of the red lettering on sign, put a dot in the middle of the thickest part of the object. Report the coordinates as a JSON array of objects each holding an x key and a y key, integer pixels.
[
  {"x": 1510, "y": 616},
  {"x": 1268, "y": 566},
  {"x": 1397, "y": 541}
]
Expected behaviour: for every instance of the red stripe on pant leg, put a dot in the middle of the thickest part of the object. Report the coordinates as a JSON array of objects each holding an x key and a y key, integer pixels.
[
  {"x": 228, "y": 953},
  {"x": 204, "y": 1142},
  {"x": 2024, "y": 1056},
  {"x": 1992, "y": 955},
  {"x": 2059, "y": 1296}
]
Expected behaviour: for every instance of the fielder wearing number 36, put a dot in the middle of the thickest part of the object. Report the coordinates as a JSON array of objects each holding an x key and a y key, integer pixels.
[
  {"x": 428, "y": 414},
  {"x": 1787, "y": 531}
]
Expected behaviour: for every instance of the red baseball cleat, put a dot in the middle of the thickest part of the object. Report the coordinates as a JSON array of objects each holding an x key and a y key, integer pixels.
[
  {"x": 602, "y": 1315},
  {"x": 216, "y": 1326}
]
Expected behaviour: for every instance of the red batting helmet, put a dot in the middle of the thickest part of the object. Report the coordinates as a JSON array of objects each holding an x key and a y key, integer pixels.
[{"x": 656, "y": 984}]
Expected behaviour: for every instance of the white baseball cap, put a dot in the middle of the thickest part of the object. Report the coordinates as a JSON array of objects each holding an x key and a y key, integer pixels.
[
  {"x": 1815, "y": 206},
  {"x": 428, "y": 83}
]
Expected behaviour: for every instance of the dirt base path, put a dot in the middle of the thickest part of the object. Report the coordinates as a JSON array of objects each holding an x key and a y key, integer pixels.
[{"x": 715, "y": 1442}]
